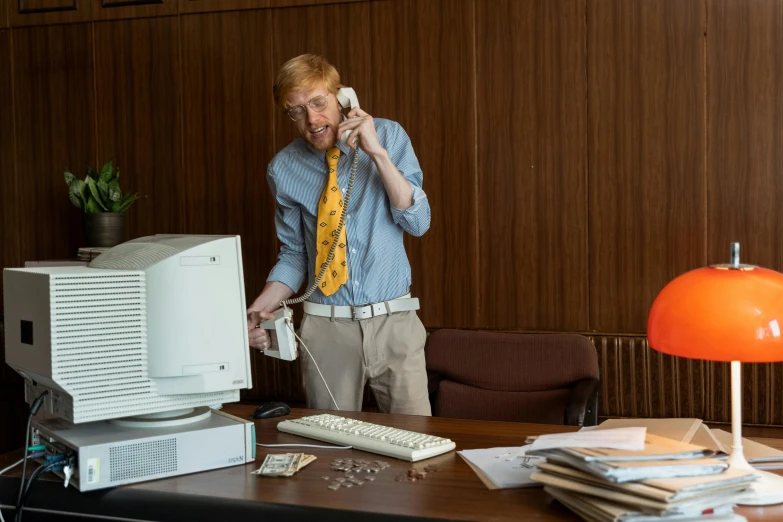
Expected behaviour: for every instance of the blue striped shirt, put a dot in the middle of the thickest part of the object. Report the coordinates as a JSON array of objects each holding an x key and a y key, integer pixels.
[{"x": 378, "y": 268}]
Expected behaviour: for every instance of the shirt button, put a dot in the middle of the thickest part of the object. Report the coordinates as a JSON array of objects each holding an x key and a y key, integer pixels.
[
  {"x": 356, "y": 283},
  {"x": 353, "y": 251},
  {"x": 348, "y": 216}
]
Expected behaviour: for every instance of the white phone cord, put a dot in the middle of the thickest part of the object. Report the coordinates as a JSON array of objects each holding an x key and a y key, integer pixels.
[{"x": 288, "y": 323}]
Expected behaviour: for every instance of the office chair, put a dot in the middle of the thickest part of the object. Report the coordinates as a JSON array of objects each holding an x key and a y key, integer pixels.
[{"x": 541, "y": 378}]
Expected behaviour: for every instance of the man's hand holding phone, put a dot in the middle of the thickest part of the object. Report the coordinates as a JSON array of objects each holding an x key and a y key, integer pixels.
[
  {"x": 362, "y": 127},
  {"x": 258, "y": 337}
]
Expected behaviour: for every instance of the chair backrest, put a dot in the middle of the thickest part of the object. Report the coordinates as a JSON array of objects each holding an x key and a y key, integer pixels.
[{"x": 509, "y": 376}]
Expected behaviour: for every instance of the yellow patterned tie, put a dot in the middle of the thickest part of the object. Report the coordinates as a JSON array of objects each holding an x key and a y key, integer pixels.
[{"x": 329, "y": 209}]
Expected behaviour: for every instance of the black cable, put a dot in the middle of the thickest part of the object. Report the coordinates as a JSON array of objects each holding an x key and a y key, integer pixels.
[
  {"x": 34, "y": 407},
  {"x": 40, "y": 470}
]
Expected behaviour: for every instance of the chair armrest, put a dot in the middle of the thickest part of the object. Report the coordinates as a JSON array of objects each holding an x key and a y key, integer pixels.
[{"x": 580, "y": 400}]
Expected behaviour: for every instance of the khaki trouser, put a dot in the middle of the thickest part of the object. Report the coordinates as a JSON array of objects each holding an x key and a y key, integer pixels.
[{"x": 387, "y": 350}]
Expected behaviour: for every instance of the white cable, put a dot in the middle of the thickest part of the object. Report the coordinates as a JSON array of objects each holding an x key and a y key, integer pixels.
[
  {"x": 315, "y": 363},
  {"x": 12, "y": 466},
  {"x": 302, "y": 446}
]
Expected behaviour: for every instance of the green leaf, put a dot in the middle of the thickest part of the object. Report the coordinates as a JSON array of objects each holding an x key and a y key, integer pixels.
[
  {"x": 114, "y": 191},
  {"x": 92, "y": 206},
  {"x": 127, "y": 201},
  {"x": 69, "y": 177},
  {"x": 76, "y": 191},
  {"x": 106, "y": 171},
  {"x": 103, "y": 188},
  {"x": 96, "y": 193}
]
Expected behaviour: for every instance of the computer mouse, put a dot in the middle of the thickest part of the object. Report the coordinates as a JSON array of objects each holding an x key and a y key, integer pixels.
[{"x": 271, "y": 409}]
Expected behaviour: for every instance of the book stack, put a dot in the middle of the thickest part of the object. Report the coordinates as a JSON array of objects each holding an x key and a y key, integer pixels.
[{"x": 666, "y": 481}]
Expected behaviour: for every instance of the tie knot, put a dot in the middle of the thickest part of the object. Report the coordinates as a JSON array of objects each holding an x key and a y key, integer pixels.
[{"x": 332, "y": 155}]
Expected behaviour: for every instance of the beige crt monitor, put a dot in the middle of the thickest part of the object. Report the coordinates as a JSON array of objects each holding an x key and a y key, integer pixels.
[{"x": 133, "y": 350}]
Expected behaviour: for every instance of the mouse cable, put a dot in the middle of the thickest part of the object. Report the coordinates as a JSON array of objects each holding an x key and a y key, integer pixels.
[
  {"x": 315, "y": 363},
  {"x": 301, "y": 446},
  {"x": 34, "y": 407}
]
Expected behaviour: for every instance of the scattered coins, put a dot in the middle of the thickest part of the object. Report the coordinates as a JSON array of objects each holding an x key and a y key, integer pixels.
[
  {"x": 414, "y": 475},
  {"x": 356, "y": 472}
]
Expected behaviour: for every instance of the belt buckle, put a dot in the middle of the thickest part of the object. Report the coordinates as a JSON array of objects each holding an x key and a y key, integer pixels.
[{"x": 355, "y": 311}]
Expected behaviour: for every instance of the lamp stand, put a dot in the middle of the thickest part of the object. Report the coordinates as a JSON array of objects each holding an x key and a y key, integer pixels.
[{"x": 768, "y": 488}]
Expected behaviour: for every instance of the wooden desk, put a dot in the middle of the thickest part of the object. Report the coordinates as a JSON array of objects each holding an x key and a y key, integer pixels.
[{"x": 453, "y": 493}]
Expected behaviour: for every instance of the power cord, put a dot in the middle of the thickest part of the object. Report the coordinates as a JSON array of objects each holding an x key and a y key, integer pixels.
[
  {"x": 40, "y": 470},
  {"x": 8, "y": 468},
  {"x": 288, "y": 323},
  {"x": 34, "y": 407}
]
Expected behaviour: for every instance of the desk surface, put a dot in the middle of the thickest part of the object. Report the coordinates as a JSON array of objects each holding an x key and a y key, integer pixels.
[{"x": 454, "y": 492}]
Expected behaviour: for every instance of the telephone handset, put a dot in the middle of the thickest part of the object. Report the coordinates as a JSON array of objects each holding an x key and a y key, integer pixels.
[
  {"x": 348, "y": 100},
  {"x": 282, "y": 323}
]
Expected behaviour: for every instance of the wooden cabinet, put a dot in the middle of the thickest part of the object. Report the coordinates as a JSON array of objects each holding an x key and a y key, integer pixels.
[
  {"x": 113, "y": 9},
  {"x": 44, "y": 12},
  {"x": 205, "y": 6}
]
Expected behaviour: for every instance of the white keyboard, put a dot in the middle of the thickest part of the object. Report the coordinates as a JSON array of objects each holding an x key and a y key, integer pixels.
[{"x": 400, "y": 444}]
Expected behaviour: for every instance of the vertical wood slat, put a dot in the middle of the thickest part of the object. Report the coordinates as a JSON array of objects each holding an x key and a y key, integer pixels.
[
  {"x": 745, "y": 129},
  {"x": 55, "y": 129},
  {"x": 408, "y": 37},
  {"x": 227, "y": 72},
  {"x": 139, "y": 119},
  {"x": 9, "y": 215},
  {"x": 532, "y": 160},
  {"x": 637, "y": 381},
  {"x": 646, "y": 148}
]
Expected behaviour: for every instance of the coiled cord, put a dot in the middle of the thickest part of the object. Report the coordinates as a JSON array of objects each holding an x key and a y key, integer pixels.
[{"x": 330, "y": 257}]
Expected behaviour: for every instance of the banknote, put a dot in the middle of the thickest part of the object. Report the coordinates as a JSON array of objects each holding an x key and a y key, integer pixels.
[
  {"x": 279, "y": 464},
  {"x": 283, "y": 465}
]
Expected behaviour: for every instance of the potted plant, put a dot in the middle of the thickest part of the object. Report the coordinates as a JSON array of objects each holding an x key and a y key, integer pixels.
[{"x": 102, "y": 203}]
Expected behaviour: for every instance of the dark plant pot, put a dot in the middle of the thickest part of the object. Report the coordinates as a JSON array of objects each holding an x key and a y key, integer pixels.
[{"x": 104, "y": 229}]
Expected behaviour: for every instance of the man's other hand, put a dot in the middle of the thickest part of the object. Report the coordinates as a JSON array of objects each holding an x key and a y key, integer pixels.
[{"x": 258, "y": 337}]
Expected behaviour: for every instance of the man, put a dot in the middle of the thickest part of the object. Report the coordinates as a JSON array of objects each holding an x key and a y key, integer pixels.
[{"x": 360, "y": 323}]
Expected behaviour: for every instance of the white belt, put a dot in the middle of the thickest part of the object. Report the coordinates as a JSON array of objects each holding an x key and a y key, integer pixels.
[{"x": 403, "y": 303}]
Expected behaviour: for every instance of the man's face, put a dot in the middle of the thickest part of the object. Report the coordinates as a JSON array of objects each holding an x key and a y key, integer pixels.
[{"x": 319, "y": 129}]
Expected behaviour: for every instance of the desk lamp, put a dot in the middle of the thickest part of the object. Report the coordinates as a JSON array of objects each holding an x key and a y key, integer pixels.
[{"x": 731, "y": 313}]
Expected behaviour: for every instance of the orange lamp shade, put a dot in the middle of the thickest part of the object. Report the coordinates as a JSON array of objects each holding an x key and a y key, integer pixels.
[{"x": 720, "y": 314}]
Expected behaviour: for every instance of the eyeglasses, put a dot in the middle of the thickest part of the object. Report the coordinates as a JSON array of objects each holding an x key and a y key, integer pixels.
[{"x": 318, "y": 104}]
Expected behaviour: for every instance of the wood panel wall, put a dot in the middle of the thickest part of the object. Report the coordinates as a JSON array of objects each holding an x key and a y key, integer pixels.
[{"x": 578, "y": 154}]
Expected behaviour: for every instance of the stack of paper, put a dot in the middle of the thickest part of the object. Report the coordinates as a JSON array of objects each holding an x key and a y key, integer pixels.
[
  {"x": 660, "y": 458},
  {"x": 283, "y": 465},
  {"x": 665, "y": 481},
  {"x": 693, "y": 431},
  {"x": 502, "y": 467}
]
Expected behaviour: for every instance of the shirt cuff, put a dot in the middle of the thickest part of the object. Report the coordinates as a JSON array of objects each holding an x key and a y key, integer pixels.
[{"x": 418, "y": 196}]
